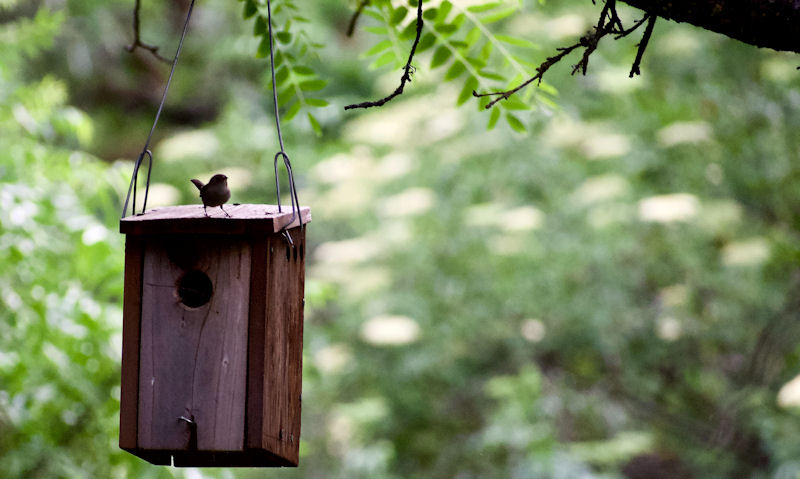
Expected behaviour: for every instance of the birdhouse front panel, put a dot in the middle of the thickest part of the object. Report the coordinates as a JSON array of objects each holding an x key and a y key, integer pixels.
[
  {"x": 213, "y": 336},
  {"x": 193, "y": 343}
]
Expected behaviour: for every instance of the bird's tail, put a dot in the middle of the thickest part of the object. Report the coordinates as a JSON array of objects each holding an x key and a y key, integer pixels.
[{"x": 199, "y": 184}]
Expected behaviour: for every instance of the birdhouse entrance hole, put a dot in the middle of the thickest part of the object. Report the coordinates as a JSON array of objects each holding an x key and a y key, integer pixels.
[{"x": 195, "y": 289}]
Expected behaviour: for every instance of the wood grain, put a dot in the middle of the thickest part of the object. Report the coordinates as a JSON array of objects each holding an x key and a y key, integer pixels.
[
  {"x": 283, "y": 347},
  {"x": 131, "y": 314},
  {"x": 296, "y": 315},
  {"x": 193, "y": 360},
  {"x": 190, "y": 219},
  {"x": 276, "y": 343},
  {"x": 256, "y": 362}
]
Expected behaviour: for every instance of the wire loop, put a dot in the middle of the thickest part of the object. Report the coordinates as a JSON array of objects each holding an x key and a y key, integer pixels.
[
  {"x": 292, "y": 192},
  {"x": 134, "y": 181},
  {"x": 287, "y": 163}
]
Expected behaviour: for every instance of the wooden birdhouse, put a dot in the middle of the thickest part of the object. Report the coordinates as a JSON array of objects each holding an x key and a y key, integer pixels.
[{"x": 213, "y": 336}]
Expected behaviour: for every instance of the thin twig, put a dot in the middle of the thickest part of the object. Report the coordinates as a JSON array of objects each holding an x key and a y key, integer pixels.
[
  {"x": 651, "y": 22},
  {"x": 625, "y": 32},
  {"x": 137, "y": 42},
  {"x": 614, "y": 18},
  {"x": 354, "y": 19},
  {"x": 408, "y": 70},
  {"x": 589, "y": 42},
  {"x": 541, "y": 70}
]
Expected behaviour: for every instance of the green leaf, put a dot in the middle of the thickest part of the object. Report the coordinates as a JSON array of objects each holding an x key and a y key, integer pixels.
[
  {"x": 372, "y": 13},
  {"x": 485, "y": 7},
  {"x": 398, "y": 15},
  {"x": 383, "y": 60},
  {"x": 263, "y": 48},
  {"x": 430, "y": 14},
  {"x": 377, "y": 30},
  {"x": 454, "y": 71},
  {"x": 478, "y": 63},
  {"x": 286, "y": 97},
  {"x": 440, "y": 56},
  {"x": 302, "y": 70},
  {"x": 281, "y": 74},
  {"x": 517, "y": 42},
  {"x": 313, "y": 85},
  {"x": 284, "y": 37},
  {"x": 515, "y": 123},
  {"x": 314, "y": 124},
  {"x": 445, "y": 29},
  {"x": 496, "y": 17},
  {"x": 466, "y": 92},
  {"x": 260, "y": 26},
  {"x": 444, "y": 11},
  {"x": 515, "y": 103},
  {"x": 292, "y": 111},
  {"x": 473, "y": 36},
  {"x": 250, "y": 9},
  {"x": 409, "y": 32},
  {"x": 491, "y": 75},
  {"x": 493, "y": 117},
  {"x": 428, "y": 40},
  {"x": 379, "y": 47},
  {"x": 317, "y": 102},
  {"x": 486, "y": 52}
]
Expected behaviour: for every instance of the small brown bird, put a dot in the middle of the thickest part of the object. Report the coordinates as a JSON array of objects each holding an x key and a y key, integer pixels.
[{"x": 215, "y": 193}]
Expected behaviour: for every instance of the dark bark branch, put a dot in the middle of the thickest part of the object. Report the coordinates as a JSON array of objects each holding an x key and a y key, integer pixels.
[
  {"x": 137, "y": 41},
  {"x": 762, "y": 23},
  {"x": 408, "y": 70},
  {"x": 354, "y": 19},
  {"x": 648, "y": 31}
]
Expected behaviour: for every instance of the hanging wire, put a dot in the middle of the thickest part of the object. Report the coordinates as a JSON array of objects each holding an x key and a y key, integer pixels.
[
  {"x": 287, "y": 163},
  {"x": 146, "y": 150}
]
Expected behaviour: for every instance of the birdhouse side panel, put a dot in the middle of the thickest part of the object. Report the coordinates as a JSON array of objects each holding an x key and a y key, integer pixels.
[
  {"x": 296, "y": 321},
  {"x": 283, "y": 346},
  {"x": 193, "y": 345},
  {"x": 132, "y": 313}
]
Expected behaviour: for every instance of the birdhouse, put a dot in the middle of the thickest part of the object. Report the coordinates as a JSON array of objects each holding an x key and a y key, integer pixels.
[{"x": 213, "y": 336}]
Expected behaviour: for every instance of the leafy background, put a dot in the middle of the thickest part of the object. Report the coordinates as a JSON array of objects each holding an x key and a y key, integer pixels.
[{"x": 611, "y": 293}]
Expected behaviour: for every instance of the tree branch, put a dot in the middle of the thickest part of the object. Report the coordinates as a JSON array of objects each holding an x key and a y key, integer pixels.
[
  {"x": 589, "y": 43},
  {"x": 408, "y": 70},
  {"x": 772, "y": 24},
  {"x": 651, "y": 22},
  {"x": 137, "y": 42},
  {"x": 541, "y": 70},
  {"x": 354, "y": 19}
]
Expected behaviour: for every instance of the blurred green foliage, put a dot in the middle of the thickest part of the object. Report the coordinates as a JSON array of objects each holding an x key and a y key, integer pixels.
[{"x": 613, "y": 294}]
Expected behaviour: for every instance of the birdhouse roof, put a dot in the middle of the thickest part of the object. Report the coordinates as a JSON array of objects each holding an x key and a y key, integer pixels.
[{"x": 190, "y": 219}]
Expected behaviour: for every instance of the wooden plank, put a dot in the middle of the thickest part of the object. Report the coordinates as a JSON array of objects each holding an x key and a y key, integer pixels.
[
  {"x": 131, "y": 315},
  {"x": 190, "y": 219},
  {"x": 283, "y": 348},
  {"x": 193, "y": 360},
  {"x": 256, "y": 334},
  {"x": 297, "y": 296},
  {"x": 276, "y": 358},
  {"x": 254, "y": 458}
]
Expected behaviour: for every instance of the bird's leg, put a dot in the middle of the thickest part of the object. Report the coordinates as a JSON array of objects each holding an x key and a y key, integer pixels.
[
  {"x": 204, "y": 211},
  {"x": 223, "y": 210}
]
